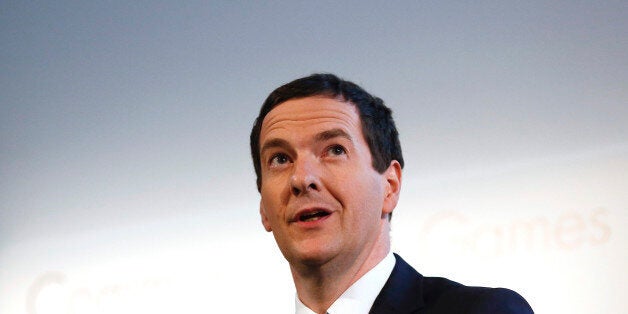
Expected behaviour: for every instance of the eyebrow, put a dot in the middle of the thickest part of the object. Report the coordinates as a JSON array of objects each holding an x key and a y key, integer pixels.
[
  {"x": 330, "y": 134},
  {"x": 275, "y": 142}
]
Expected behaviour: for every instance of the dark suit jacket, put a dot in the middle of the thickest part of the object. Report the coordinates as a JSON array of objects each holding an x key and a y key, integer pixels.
[{"x": 407, "y": 291}]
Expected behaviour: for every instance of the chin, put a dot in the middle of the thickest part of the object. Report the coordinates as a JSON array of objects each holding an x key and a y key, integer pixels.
[
  {"x": 310, "y": 255},
  {"x": 312, "y": 260}
]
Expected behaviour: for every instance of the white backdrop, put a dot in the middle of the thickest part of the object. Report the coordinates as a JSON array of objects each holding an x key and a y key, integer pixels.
[{"x": 126, "y": 182}]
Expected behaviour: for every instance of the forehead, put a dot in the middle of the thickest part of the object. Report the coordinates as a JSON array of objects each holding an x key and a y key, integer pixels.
[{"x": 311, "y": 112}]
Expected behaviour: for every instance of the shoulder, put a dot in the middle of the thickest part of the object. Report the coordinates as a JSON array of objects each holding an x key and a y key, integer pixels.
[
  {"x": 445, "y": 296},
  {"x": 407, "y": 291}
]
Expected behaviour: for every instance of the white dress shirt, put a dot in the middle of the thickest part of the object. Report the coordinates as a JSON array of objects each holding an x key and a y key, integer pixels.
[{"x": 359, "y": 298}]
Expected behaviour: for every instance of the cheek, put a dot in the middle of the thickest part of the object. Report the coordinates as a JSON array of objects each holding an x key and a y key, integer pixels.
[
  {"x": 272, "y": 186},
  {"x": 363, "y": 193},
  {"x": 273, "y": 200}
]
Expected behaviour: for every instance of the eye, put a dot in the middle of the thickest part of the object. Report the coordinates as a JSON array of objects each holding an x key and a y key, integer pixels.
[
  {"x": 278, "y": 160},
  {"x": 336, "y": 150}
]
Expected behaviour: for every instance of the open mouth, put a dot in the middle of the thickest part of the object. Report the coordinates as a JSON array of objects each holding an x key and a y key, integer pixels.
[{"x": 313, "y": 215}]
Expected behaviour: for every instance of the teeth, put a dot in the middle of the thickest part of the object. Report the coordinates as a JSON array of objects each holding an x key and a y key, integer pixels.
[{"x": 313, "y": 216}]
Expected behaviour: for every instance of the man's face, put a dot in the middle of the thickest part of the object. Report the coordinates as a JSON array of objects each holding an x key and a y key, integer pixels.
[{"x": 321, "y": 196}]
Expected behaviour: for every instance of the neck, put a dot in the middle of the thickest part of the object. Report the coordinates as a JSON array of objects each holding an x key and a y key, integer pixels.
[{"x": 318, "y": 286}]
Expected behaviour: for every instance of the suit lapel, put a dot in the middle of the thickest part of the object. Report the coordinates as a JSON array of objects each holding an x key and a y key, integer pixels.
[{"x": 402, "y": 293}]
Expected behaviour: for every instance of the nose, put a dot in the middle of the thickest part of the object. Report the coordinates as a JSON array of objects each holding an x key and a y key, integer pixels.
[{"x": 305, "y": 177}]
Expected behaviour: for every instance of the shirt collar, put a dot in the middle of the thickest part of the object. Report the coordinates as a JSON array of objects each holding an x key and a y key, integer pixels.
[{"x": 359, "y": 297}]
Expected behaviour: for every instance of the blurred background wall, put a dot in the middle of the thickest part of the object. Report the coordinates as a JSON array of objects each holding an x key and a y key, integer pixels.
[{"x": 126, "y": 182}]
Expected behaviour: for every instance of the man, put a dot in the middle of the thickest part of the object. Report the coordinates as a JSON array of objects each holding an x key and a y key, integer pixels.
[{"x": 329, "y": 164}]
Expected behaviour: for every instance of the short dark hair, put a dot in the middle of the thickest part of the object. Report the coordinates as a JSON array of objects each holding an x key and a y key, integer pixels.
[{"x": 378, "y": 126}]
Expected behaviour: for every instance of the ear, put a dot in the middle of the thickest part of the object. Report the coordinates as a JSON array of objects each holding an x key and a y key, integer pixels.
[
  {"x": 392, "y": 175},
  {"x": 265, "y": 221}
]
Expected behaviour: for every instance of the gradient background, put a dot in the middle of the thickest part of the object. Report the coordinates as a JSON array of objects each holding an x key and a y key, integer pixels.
[{"x": 126, "y": 182}]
